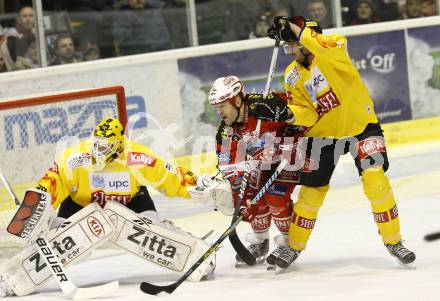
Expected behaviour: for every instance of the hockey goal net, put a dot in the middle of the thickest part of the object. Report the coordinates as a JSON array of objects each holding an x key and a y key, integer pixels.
[{"x": 33, "y": 127}]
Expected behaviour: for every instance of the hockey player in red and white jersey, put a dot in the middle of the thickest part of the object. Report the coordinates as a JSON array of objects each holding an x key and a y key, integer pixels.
[
  {"x": 111, "y": 172},
  {"x": 242, "y": 144}
]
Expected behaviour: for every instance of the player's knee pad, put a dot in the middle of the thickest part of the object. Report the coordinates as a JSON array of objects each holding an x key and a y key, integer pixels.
[
  {"x": 71, "y": 241},
  {"x": 159, "y": 241},
  {"x": 376, "y": 185}
]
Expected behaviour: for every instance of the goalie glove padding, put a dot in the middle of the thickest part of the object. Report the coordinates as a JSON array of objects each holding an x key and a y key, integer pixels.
[{"x": 214, "y": 192}]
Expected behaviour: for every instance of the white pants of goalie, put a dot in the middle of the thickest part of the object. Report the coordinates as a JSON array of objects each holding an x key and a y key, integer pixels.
[{"x": 145, "y": 235}]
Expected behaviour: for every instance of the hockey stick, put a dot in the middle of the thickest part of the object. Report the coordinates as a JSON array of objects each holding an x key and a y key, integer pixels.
[
  {"x": 58, "y": 271},
  {"x": 152, "y": 289},
  {"x": 238, "y": 246},
  {"x": 236, "y": 243},
  {"x": 432, "y": 236}
]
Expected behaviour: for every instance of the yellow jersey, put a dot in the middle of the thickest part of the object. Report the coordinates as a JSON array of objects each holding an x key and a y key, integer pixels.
[
  {"x": 329, "y": 96},
  {"x": 72, "y": 175}
]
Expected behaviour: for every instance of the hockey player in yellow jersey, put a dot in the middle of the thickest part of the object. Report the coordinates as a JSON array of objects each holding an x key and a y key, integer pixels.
[
  {"x": 327, "y": 95},
  {"x": 111, "y": 167}
]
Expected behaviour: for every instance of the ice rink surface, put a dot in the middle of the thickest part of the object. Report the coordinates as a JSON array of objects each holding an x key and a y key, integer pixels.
[{"x": 345, "y": 258}]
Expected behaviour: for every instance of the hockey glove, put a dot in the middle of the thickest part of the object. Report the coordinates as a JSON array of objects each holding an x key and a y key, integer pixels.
[
  {"x": 186, "y": 176},
  {"x": 269, "y": 109},
  {"x": 281, "y": 31}
]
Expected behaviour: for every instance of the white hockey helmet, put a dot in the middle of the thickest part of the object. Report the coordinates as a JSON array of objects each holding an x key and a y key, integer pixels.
[{"x": 224, "y": 88}]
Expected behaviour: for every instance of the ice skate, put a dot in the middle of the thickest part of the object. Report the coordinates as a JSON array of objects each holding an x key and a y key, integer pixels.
[
  {"x": 280, "y": 241},
  {"x": 258, "y": 250},
  {"x": 286, "y": 256},
  {"x": 404, "y": 255}
]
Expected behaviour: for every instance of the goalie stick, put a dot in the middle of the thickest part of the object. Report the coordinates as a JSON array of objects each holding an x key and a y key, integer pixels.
[
  {"x": 236, "y": 243},
  {"x": 69, "y": 289},
  {"x": 152, "y": 289},
  {"x": 432, "y": 236}
]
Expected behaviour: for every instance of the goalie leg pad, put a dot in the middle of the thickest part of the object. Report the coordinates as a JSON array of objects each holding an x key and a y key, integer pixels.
[
  {"x": 157, "y": 240},
  {"x": 72, "y": 240}
]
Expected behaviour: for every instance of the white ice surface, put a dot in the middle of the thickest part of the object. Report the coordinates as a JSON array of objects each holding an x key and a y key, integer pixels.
[{"x": 345, "y": 258}]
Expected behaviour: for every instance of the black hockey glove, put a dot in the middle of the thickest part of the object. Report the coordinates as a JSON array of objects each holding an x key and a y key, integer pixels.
[
  {"x": 272, "y": 108},
  {"x": 280, "y": 30}
]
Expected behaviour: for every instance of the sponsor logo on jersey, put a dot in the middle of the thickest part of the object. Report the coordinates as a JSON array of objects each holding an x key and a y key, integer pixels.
[
  {"x": 327, "y": 102},
  {"x": 102, "y": 198},
  {"x": 316, "y": 85},
  {"x": 293, "y": 77},
  {"x": 78, "y": 160},
  {"x": 98, "y": 181},
  {"x": 135, "y": 158},
  {"x": 95, "y": 226},
  {"x": 110, "y": 181},
  {"x": 370, "y": 146},
  {"x": 277, "y": 189}
]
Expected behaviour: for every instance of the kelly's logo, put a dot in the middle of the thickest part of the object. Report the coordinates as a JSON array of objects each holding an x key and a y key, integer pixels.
[{"x": 134, "y": 158}]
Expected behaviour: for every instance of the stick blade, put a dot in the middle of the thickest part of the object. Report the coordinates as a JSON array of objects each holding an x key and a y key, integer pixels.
[
  {"x": 82, "y": 293},
  {"x": 241, "y": 250},
  {"x": 152, "y": 289}
]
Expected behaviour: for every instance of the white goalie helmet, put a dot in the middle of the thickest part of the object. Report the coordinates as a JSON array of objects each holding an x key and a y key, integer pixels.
[{"x": 224, "y": 88}]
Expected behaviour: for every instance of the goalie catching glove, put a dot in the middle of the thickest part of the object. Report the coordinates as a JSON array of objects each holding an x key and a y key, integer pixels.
[{"x": 214, "y": 192}]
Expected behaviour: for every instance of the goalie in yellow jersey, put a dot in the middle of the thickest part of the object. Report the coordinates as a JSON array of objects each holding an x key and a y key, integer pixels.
[
  {"x": 327, "y": 95},
  {"x": 102, "y": 183}
]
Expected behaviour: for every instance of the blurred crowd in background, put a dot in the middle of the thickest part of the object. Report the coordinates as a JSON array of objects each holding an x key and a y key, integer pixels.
[{"x": 84, "y": 30}]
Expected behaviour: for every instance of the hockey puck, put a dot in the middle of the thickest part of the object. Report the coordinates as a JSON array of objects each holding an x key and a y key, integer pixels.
[
  {"x": 23, "y": 213},
  {"x": 31, "y": 198},
  {"x": 15, "y": 227}
]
